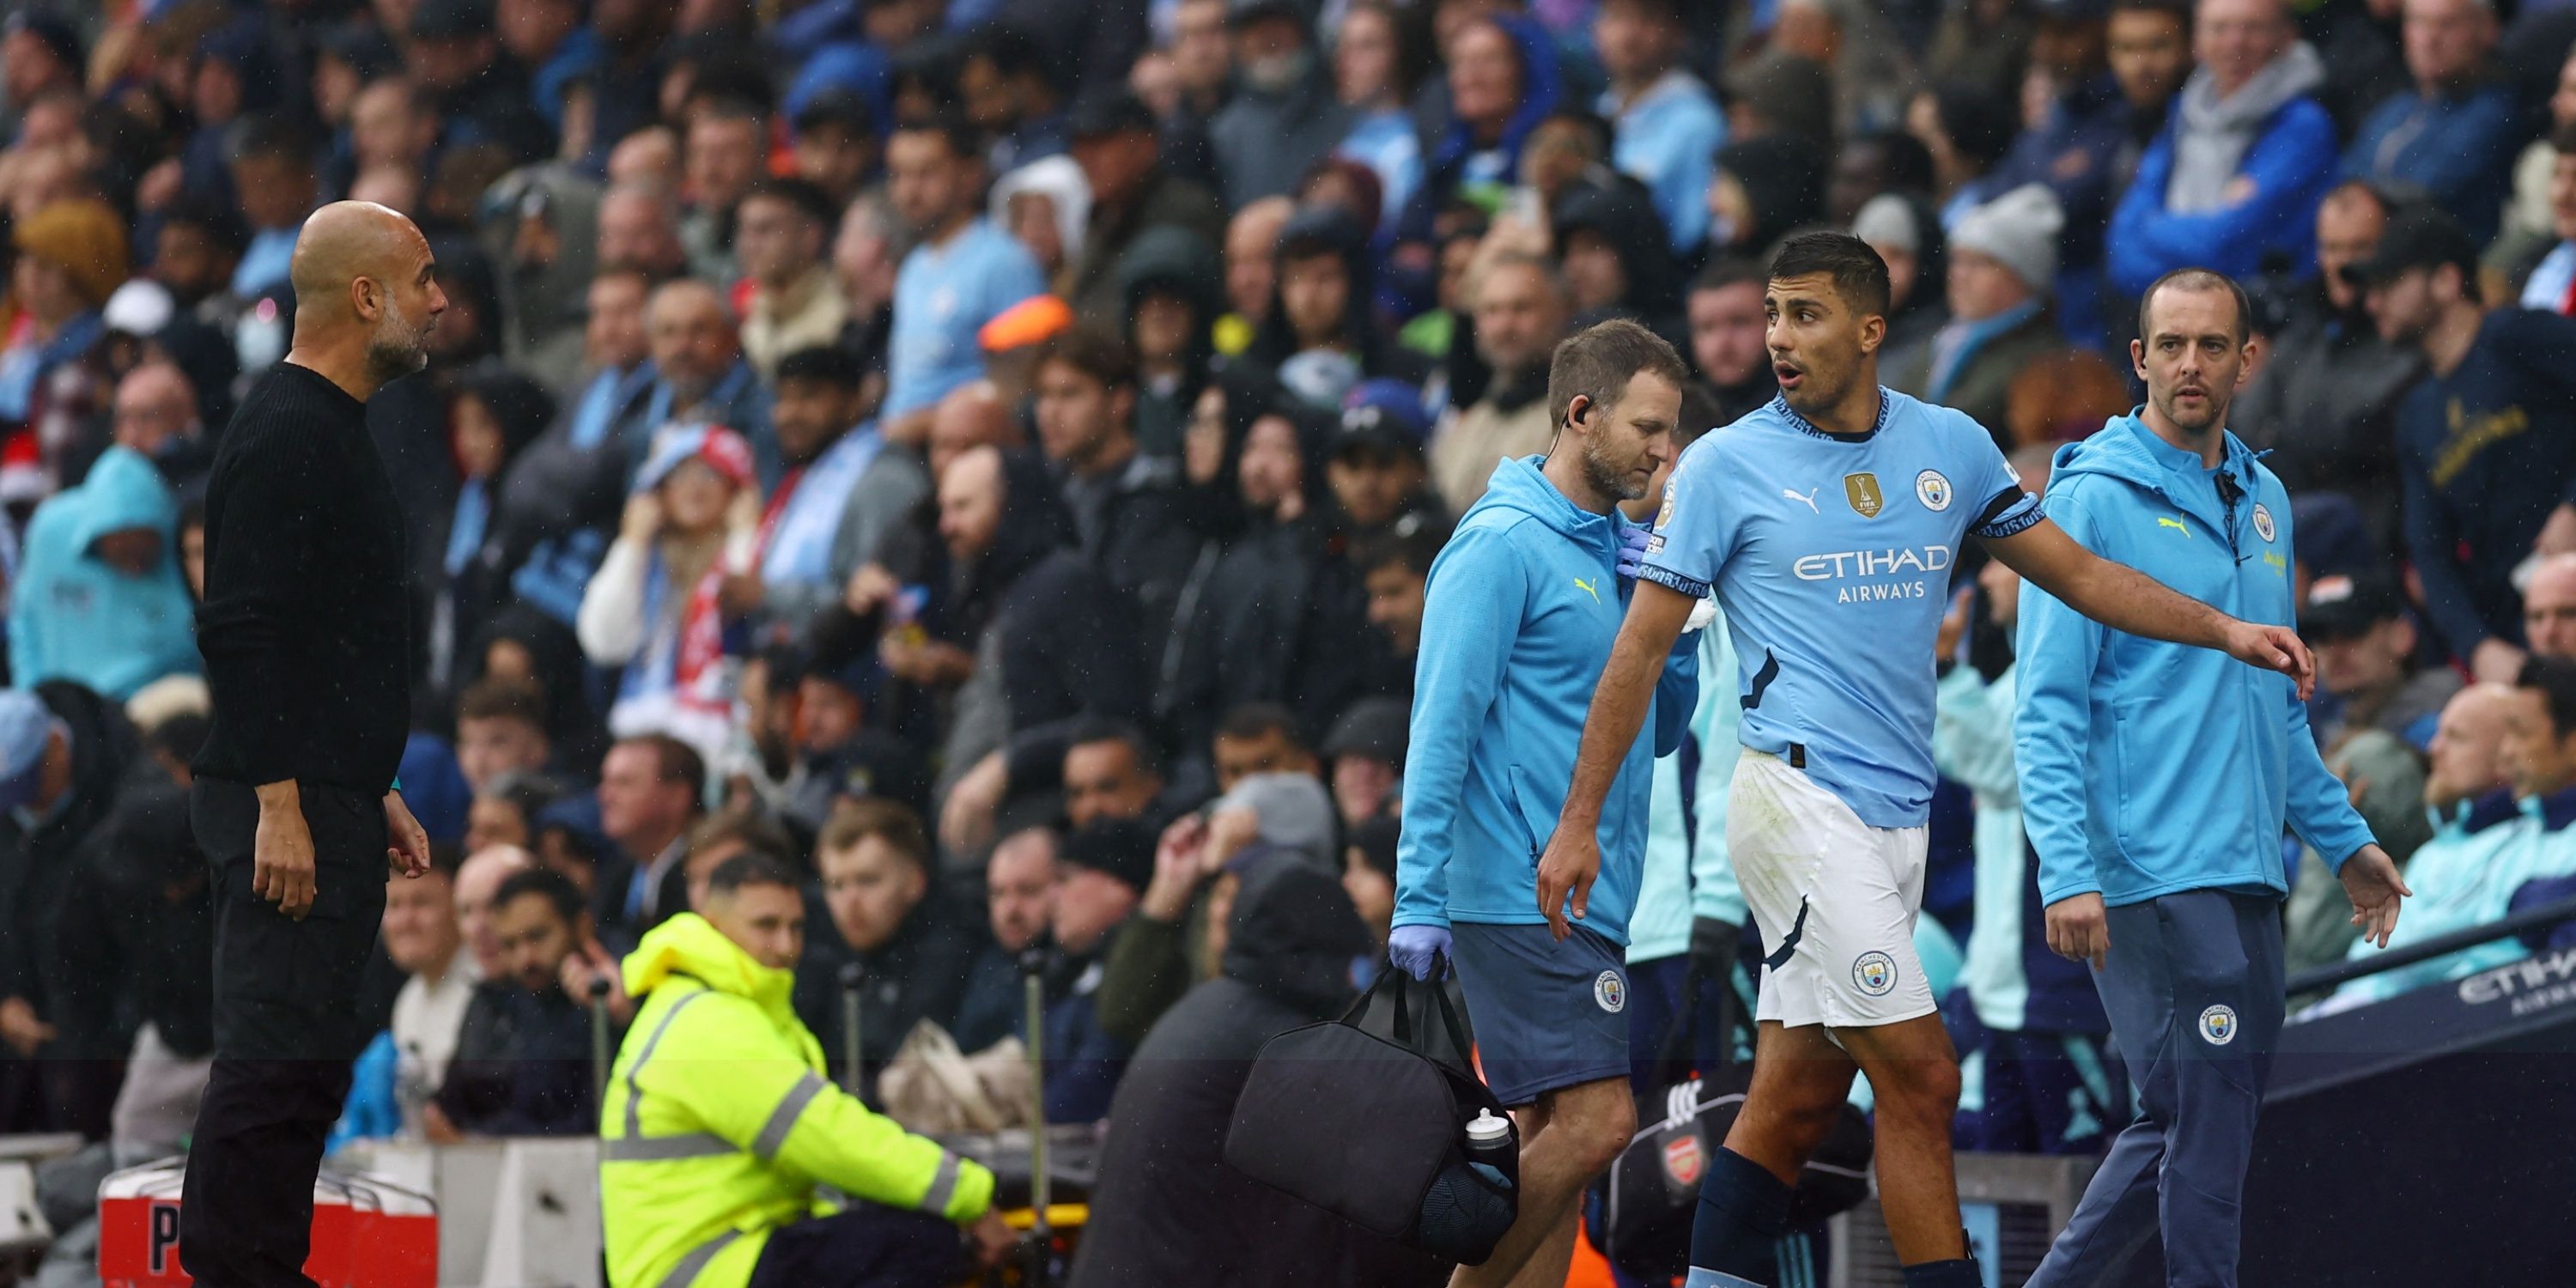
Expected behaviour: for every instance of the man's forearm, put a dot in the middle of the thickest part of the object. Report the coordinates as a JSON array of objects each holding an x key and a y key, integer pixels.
[
  {"x": 2125, "y": 599},
  {"x": 282, "y": 794},
  {"x": 1618, "y": 709}
]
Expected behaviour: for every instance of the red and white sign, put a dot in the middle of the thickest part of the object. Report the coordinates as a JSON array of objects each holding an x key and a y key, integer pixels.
[{"x": 366, "y": 1233}]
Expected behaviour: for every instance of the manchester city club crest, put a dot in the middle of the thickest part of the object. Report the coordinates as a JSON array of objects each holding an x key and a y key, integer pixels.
[
  {"x": 2263, "y": 522},
  {"x": 1684, "y": 1160},
  {"x": 1932, "y": 490},
  {"x": 1611, "y": 992},
  {"x": 1862, "y": 491},
  {"x": 2218, "y": 1025},
  {"x": 1874, "y": 973}
]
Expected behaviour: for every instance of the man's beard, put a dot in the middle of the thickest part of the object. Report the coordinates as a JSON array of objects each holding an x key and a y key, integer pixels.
[
  {"x": 397, "y": 348},
  {"x": 1607, "y": 477}
]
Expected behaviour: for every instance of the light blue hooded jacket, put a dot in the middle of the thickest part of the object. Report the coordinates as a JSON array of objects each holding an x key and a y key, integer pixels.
[
  {"x": 1517, "y": 622},
  {"x": 2150, "y": 768},
  {"x": 73, "y": 617}
]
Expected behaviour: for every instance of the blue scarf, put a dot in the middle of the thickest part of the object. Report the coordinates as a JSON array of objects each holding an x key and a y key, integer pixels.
[
  {"x": 465, "y": 533},
  {"x": 1960, "y": 341},
  {"x": 800, "y": 547}
]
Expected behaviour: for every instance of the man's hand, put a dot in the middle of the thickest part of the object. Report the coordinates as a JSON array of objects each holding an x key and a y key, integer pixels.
[
  {"x": 1632, "y": 549},
  {"x": 994, "y": 1239},
  {"x": 407, "y": 846},
  {"x": 2079, "y": 930},
  {"x": 870, "y": 588},
  {"x": 20, "y": 1027},
  {"x": 592, "y": 962},
  {"x": 1573, "y": 859},
  {"x": 282, "y": 850},
  {"x": 2273, "y": 648},
  {"x": 2496, "y": 662},
  {"x": 1180, "y": 863},
  {"x": 2370, "y": 880},
  {"x": 1419, "y": 950},
  {"x": 1230, "y": 832},
  {"x": 966, "y": 820},
  {"x": 643, "y": 519}
]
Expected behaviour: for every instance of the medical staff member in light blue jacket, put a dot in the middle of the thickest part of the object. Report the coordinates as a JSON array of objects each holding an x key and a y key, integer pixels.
[
  {"x": 2155, "y": 781},
  {"x": 1518, "y": 616}
]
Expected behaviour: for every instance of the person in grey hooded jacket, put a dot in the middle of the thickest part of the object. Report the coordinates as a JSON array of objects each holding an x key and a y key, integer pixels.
[{"x": 1284, "y": 116}]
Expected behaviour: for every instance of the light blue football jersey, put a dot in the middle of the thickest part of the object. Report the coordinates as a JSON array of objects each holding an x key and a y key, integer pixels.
[{"x": 1832, "y": 559}]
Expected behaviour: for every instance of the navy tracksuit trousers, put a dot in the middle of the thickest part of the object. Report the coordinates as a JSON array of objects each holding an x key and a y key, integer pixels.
[{"x": 2193, "y": 987}]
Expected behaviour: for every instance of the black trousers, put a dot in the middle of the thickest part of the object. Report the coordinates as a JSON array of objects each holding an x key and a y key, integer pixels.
[
  {"x": 863, "y": 1246},
  {"x": 286, "y": 1029}
]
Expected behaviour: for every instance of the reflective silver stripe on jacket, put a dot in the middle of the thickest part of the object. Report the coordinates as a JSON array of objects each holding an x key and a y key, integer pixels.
[
  {"x": 663, "y": 1149},
  {"x": 686, "y": 1273},
  {"x": 943, "y": 1186},
  {"x": 635, "y": 1093},
  {"x": 782, "y": 1120}
]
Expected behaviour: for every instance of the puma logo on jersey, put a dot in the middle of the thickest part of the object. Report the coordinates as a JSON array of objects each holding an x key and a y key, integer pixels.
[
  {"x": 2176, "y": 525},
  {"x": 1809, "y": 497},
  {"x": 1586, "y": 587}
]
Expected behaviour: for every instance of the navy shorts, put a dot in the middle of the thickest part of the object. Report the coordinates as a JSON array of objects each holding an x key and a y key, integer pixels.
[{"x": 1547, "y": 1015}]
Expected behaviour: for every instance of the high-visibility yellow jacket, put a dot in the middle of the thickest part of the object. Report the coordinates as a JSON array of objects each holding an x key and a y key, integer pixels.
[{"x": 719, "y": 1127}]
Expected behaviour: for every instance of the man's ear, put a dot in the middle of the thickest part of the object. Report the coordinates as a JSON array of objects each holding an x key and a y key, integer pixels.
[{"x": 1578, "y": 408}]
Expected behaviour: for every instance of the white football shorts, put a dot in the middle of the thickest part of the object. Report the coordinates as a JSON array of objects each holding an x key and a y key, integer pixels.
[{"x": 1835, "y": 900}]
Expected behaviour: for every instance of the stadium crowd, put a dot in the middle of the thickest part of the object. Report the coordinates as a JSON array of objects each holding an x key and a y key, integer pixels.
[{"x": 987, "y": 455}]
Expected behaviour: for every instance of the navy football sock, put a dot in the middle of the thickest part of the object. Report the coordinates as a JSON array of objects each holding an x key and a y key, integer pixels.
[
  {"x": 1742, "y": 1210},
  {"x": 1958, "y": 1273}
]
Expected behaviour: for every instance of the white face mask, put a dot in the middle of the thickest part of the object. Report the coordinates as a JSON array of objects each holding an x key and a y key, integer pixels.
[{"x": 1278, "y": 73}]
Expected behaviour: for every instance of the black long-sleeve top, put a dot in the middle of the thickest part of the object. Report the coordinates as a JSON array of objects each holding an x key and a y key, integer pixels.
[{"x": 306, "y": 628}]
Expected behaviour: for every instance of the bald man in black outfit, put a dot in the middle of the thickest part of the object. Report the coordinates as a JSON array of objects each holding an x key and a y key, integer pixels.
[{"x": 305, "y": 631}]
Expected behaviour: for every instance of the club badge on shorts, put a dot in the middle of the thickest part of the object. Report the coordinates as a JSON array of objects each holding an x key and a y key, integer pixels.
[
  {"x": 1874, "y": 973},
  {"x": 2218, "y": 1025},
  {"x": 1932, "y": 490},
  {"x": 1610, "y": 991},
  {"x": 2263, "y": 522}
]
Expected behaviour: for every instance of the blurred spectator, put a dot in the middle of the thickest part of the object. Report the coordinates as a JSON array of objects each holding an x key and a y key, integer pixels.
[
  {"x": 971, "y": 416},
  {"x": 2452, "y": 135},
  {"x": 493, "y": 415},
  {"x": 1871, "y": 71},
  {"x": 1022, "y": 594},
  {"x": 639, "y": 231},
  {"x": 1781, "y": 95},
  {"x": 1008, "y": 90},
  {"x": 719, "y": 839},
  {"x": 1133, "y": 191},
  {"x": 1502, "y": 82},
  {"x": 2242, "y": 163},
  {"x": 555, "y": 502},
  {"x": 2003, "y": 262},
  {"x": 836, "y": 145},
  {"x": 1320, "y": 337},
  {"x": 651, "y": 790},
  {"x": 506, "y": 810},
  {"x": 2324, "y": 400},
  {"x": 1110, "y": 772},
  {"x": 1364, "y": 759},
  {"x": 863, "y": 262},
  {"x": 1967, "y": 132},
  {"x": 500, "y": 729},
  {"x": 1906, "y": 233},
  {"x": 779, "y": 227},
  {"x": 2073, "y": 148},
  {"x": 42, "y": 54},
  {"x": 1377, "y": 66},
  {"x": 1020, "y": 889},
  {"x": 660, "y": 607},
  {"x": 196, "y": 252},
  {"x": 2366, "y": 649},
  {"x": 70, "y": 258},
  {"x": 1393, "y": 569},
  {"x": 99, "y": 599},
  {"x": 2485, "y": 446},
  {"x": 1045, "y": 205},
  {"x": 1521, "y": 310},
  {"x": 1874, "y": 165},
  {"x": 2549, "y": 607},
  {"x": 392, "y": 124},
  {"x": 843, "y": 755},
  {"x": 1668, "y": 125},
  {"x": 727, "y": 141},
  {"x": 1609, "y": 245},
  {"x": 913, "y": 948},
  {"x": 1368, "y": 876},
  {"x": 1126, "y": 506},
  {"x": 2531, "y": 220},
  {"x": 1169, "y": 284},
  {"x": 2386, "y": 775},
  {"x": 536, "y": 1081},
  {"x": 1284, "y": 116},
  {"x": 1728, "y": 338},
  {"x": 1766, "y": 189},
  {"x": 1251, "y": 271},
  {"x": 701, "y": 377},
  {"x": 1379, "y": 477},
  {"x": 962, "y": 272},
  {"x": 2489, "y": 845},
  {"x": 1170, "y": 1209},
  {"x": 156, "y": 417},
  {"x": 2148, "y": 44},
  {"x": 482, "y": 93},
  {"x": 1099, "y": 872},
  {"x": 1011, "y": 342},
  {"x": 2552, "y": 284},
  {"x": 842, "y": 492},
  {"x": 1259, "y": 738},
  {"x": 425, "y": 942},
  {"x": 271, "y": 166},
  {"x": 547, "y": 37}
]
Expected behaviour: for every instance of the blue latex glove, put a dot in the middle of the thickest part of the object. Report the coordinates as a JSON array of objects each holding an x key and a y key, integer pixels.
[
  {"x": 1419, "y": 950},
  {"x": 1632, "y": 549}
]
